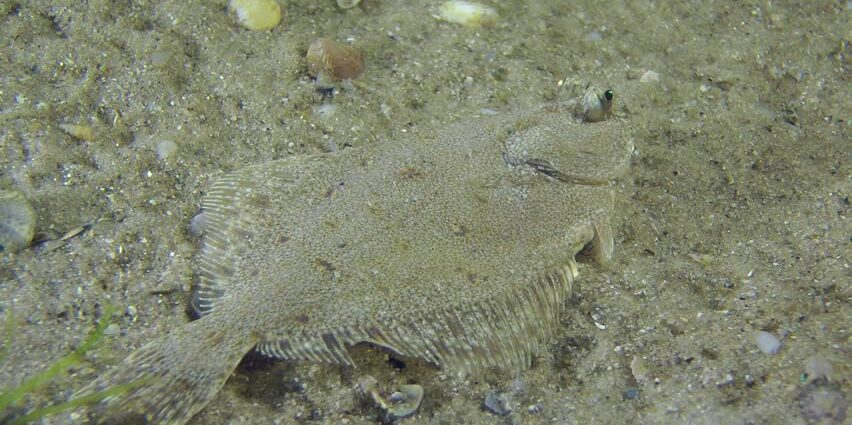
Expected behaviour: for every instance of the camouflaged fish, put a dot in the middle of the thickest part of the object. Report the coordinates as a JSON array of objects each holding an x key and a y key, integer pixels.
[{"x": 455, "y": 247}]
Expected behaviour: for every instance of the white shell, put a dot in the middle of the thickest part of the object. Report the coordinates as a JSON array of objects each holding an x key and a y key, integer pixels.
[
  {"x": 17, "y": 221},
  {"x": 467, "y": 13},
  {"x": 400, "y": 404},
  {"x": 166, "y": 149},
  {"x": 256, "y": 15},
  {"x": 347, "y": 4},
  {"x": 767, "y": 342}
]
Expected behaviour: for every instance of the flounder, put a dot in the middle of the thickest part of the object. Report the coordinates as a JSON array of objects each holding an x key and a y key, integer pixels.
[{"x": 456, "y": 247}]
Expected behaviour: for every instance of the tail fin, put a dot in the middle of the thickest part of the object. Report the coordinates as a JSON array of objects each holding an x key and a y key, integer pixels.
[{"x": 172, "y": 378}]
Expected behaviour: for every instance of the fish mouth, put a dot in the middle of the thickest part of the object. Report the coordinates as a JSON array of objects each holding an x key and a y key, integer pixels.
[{"x": 549, "y": 170}]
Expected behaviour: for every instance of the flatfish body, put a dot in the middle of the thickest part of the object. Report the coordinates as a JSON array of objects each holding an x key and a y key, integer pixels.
[{"x": 456, "y": 247}]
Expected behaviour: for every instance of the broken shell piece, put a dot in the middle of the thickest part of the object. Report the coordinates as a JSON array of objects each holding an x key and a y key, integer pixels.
[
  {"x": 400, "y": 404},
  {"x": 498, "y": 403},
  {"x": 347, "y": 4},
  {"x": 640, "y": 369},
  {"x": 405, "y": 401},
  {"x": 80, "y": 131},
  {"x": 73, "y": 232},
  {"x": 17, "y": 221},
  {"x": 332, "y": 59}
]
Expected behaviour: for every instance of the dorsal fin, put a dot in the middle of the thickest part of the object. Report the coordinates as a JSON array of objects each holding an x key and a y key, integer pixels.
[
  {"x": 227, "y": 220},
  {"x": 505, "y": 332}
]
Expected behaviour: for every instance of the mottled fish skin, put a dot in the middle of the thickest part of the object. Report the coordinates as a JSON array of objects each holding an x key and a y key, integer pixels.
[{"x": 456, "y": 247}]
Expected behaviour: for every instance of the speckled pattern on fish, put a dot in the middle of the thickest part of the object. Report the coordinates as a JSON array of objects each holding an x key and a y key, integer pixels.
[{"x": 456, "y": 247}]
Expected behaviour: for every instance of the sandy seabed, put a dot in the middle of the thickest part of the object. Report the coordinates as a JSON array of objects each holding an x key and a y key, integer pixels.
[{"x": 733, "y": 219}]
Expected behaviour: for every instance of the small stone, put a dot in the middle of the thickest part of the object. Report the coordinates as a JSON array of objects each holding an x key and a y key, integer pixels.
[
  {"x": 649, "y": 77},
  {"x": 817, "y": 367},
  {"x": 166, "y": 149},
  {"x": 518, "y": 387},
  {"x": 639, "y": 368},
  {"x": 160, "y": 58},
  {"x": 710, "y": 376},
  {"x": 330, "y": 145},
  {"x": 331, "y": 59},
  {"x": 112, "y": 329},
  {"x": 728, "y": 379},
  {"x": 767, "y": 342},
  {"x": 198, "y": 225},
  {"x": 131, "y": 311},
  {"x": 498, "y": 403},
  {"x": 535, "y": 409},
  {"x": 631, "y": 394},
  {"x": 326, "y": 110}
]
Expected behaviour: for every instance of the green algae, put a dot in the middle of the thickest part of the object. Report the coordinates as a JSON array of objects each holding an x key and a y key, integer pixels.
[{"x": 10, "y": 398}]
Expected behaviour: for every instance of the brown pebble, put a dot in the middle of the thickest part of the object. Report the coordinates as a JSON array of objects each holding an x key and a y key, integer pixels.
[{"x": 332, "y": 59}]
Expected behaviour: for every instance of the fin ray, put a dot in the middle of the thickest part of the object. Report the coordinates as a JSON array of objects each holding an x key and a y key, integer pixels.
[
  {"x": 505, "y": 332},
  {"x": 228, "y": 229},
  {"x": 168, "y": 380}
]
